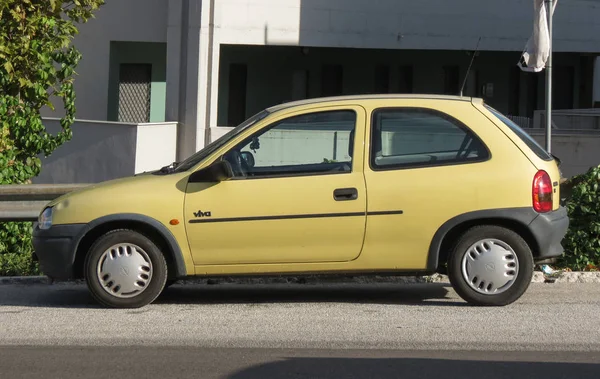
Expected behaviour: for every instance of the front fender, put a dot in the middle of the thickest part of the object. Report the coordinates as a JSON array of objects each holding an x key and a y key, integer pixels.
[{"x": 155, "y": 225}]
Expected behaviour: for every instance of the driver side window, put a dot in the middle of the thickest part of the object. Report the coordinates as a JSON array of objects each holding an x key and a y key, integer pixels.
[{"x": 309, "y": 144}]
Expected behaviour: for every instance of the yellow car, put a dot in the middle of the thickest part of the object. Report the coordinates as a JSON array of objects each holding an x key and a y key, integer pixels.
[{"x": 395, "y": 184}]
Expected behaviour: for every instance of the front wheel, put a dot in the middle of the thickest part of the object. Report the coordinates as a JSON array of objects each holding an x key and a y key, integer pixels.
[
  {"x": 170, "y": 282},
  {"x": 490, "y": 265},
  {"x": 125, "y": 269}
]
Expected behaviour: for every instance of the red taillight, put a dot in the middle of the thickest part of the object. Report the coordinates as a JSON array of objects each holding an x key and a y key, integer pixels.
[{"x": 542, "y": 192}]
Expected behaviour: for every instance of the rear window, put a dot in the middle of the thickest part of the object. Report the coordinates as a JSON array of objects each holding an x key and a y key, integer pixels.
[{"x": 523, "y": 135}]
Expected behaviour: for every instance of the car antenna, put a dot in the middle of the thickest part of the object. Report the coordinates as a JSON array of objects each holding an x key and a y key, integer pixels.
[{"x": 469, "y": 69}]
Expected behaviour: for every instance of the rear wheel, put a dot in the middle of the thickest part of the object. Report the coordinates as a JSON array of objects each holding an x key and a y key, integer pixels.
[
  {"x": 125, "y": 269},
  {"x": 490, "y": 265}
]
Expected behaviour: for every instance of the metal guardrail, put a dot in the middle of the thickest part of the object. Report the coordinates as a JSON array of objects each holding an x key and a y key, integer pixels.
[{"x": 24, "y": 202}]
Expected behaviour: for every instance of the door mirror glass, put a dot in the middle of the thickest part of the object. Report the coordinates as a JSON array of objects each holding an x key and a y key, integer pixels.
[{"x": 219, "y": 171}]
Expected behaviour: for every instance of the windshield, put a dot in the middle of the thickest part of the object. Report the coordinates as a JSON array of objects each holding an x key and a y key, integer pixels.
[{"x": 198, "y": 157}]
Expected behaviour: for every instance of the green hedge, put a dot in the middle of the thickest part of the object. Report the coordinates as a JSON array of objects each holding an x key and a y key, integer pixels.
[
  {"x": 582, "y": 242},
  {"x": 16, "y": 249}
]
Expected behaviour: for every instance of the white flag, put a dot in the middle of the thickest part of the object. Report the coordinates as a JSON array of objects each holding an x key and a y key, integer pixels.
[{"x": 537, "y": 50}]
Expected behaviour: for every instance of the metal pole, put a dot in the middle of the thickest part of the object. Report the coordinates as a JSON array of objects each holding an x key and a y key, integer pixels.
[{"x": 549, "y": 82}]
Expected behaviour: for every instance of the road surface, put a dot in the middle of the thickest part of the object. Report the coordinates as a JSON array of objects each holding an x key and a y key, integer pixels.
[{"x": 300, "y": 331}]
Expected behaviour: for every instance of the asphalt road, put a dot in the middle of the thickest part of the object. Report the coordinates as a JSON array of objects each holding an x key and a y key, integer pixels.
[
  {"x": 207, "y": 363},
  {"x": 300, "y": 331}
]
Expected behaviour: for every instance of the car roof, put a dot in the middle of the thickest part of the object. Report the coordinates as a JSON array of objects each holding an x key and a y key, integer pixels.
[{"x": 316, "y": 100}]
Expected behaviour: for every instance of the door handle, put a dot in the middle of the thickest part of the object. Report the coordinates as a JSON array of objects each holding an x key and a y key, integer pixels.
[{"x": 345, "y": 194}]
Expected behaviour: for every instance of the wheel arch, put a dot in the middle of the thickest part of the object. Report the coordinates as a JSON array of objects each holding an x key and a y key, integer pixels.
[
  {"x": 515, "y": 219},
  {"x": 145, "y": 225}
]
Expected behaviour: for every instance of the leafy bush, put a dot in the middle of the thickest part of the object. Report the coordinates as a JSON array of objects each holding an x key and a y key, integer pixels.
[
  {"x": 15, "y": 264},
  {"x": 582, "y": 242},
  {"x": 37, "y": 63},
  {"x": 15, "y": 250}
]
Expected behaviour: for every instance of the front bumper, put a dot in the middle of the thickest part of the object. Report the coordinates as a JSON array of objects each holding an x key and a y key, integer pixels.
[
  {"x": 549, "y": 229},
  {"x": 55, "y": 249}
]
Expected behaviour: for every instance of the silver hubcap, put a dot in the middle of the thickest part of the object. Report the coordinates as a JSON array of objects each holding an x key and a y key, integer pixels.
[
  {"x": 124, "y": 270},
  {"x": 490, "y": 266}
]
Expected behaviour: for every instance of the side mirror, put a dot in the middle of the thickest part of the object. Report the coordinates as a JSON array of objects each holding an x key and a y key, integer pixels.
[
  {"x": 219, "y": 171},
  {"x": 248, "y": 157}
]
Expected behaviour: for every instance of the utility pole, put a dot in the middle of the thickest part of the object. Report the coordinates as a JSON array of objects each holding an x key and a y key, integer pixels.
[{"x": 549, "y": 81}]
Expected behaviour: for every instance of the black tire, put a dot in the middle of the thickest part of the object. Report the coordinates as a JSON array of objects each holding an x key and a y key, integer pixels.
[
  {"x": 155, "y": 284},
  {"x": 170, "y": 282},
  {"x": 509, "y": 237}
]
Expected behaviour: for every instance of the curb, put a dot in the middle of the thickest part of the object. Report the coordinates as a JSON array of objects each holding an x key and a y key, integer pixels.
[
  {"x": 538, "y": 277},
  {"x": 24, "y": 280}
]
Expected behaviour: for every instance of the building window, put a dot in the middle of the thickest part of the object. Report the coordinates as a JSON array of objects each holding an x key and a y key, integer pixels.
[
  {"x": 451, "y": 79},
  {"x": 514, "y": 91},
  {"x": 532, "y": 99},
  {"x": 472, "y": 87},
  {"x": 300, "y": 84},
  {"x": 308, "y": 144},
  {"x": 382, "y": 79},
  {"x": 332, "y": 80},
  {"x": 564, "y": 87},
  {"x": 412, "y": 137},
  {"x": 405, "y": 79},
  {"x": 238, "y": 79},
  {"x": 135, "y": 82}
]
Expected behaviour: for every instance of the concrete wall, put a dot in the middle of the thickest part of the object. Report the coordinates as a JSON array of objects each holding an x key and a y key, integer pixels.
[
  {"x": 102, "y": 151},
  {"x": 577, "y": 151},
  {"x": 156, "y": 146},
  {"x": 404, "y": 24},
  {"x": 98, "y": 151},
  {"x": 116, "y": 20},
  {"x": 190, "y": 55}
]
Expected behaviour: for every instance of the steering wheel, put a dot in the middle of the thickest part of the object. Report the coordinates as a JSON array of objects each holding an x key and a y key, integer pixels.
[{"x": 237, "y": 165}]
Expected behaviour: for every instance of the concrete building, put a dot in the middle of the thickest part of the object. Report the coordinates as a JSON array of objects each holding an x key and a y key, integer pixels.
[{"x": 198, "y": 67}]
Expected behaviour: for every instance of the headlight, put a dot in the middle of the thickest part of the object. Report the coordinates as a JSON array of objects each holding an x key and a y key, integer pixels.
[{"x": 45, "y": 219}]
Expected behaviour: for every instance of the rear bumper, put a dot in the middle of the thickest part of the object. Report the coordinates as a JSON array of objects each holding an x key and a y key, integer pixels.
[
  {"x": 549, "y": 230},
  {"x": 55, "y": 249}
]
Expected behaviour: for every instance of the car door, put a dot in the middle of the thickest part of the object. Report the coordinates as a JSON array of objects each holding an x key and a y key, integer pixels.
[
  {"x": 297, "y": 194},
  {"x": 425, "y": 166}
]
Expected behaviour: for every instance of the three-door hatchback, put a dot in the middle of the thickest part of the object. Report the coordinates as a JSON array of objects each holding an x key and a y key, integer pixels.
[{"x": 402, "y": 185}]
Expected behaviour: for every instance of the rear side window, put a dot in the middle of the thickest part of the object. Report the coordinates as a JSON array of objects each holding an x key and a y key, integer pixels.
[
  {"x": 523, "y": 135},
  {"x": 417, "y": 137}
]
